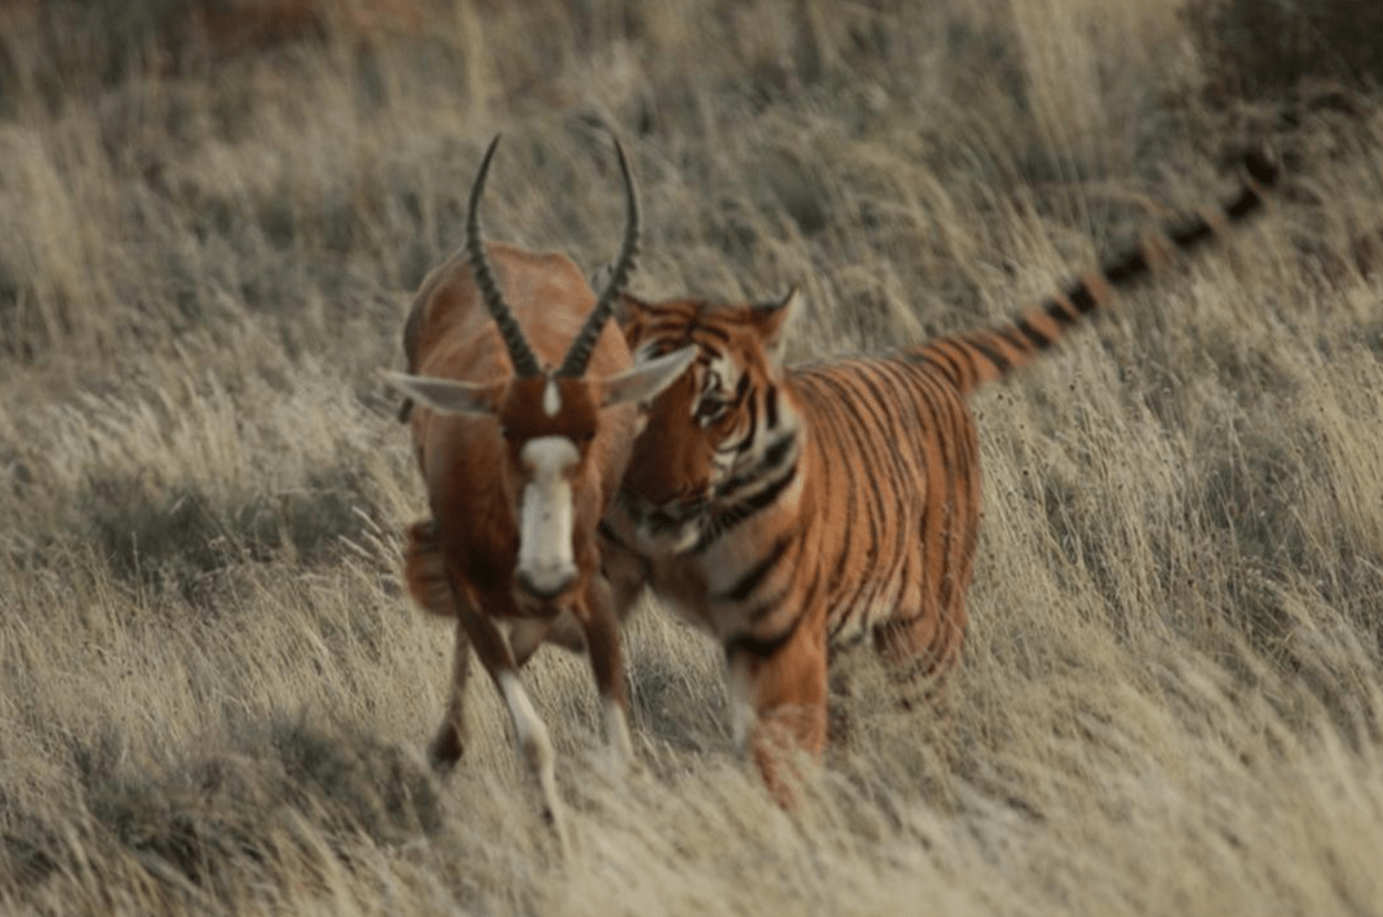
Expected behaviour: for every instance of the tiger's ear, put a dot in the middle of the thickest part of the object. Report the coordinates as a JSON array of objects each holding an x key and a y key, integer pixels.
[
  {"x": 629, "y": 312},
  {"x": 771, "y": 319}
]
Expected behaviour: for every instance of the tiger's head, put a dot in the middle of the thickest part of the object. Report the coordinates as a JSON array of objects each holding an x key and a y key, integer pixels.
[{"x": 720, "y": 435}]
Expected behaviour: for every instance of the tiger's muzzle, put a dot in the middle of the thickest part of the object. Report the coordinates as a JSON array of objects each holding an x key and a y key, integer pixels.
[{"x": 668, "y": 518}]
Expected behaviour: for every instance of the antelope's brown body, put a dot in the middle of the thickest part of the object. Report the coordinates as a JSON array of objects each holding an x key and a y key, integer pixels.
[{"x": 450, "y": 335}]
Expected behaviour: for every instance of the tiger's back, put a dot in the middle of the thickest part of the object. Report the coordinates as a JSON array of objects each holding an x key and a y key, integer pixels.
[{"x": 897, "y": 478}]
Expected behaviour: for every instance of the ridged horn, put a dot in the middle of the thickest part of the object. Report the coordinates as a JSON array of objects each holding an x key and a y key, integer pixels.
[
  {"x": 525, "y": 363},
  {"x": 583, "y": 345}
]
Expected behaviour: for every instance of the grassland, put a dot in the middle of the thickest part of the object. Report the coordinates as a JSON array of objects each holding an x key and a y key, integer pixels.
[{"x": 213, "y": 694}]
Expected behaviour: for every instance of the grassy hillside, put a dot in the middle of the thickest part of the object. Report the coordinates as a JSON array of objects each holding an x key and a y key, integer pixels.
[{"x": 213, "y": 693}]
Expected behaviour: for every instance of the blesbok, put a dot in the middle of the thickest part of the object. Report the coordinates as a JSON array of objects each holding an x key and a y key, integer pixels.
[{"x": 521, "y": 461}]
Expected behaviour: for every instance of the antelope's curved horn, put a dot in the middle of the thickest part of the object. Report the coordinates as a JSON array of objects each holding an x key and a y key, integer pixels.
[
  {"x": 525, "y": 363},
  {"x": 583, "y": 345}
]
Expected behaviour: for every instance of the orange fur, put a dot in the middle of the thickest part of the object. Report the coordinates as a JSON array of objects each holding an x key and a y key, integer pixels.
[{"x": 796, "y": 511}]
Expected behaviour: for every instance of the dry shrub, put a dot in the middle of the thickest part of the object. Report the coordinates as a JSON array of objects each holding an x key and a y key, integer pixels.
[
  {"x": 212, "y": 825},
  {"x": 56, "y": 41},
  {"x": 181, "y": 538}
]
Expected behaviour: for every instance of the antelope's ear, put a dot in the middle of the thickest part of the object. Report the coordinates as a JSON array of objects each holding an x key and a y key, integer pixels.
[
  {"x": 447, "y": 396},
  {"x": 646, "y": 380}
]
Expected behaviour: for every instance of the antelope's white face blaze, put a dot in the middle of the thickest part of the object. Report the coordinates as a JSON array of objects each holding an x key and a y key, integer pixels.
[
  {"x": 552, "y": 399},
  {"x": 546, "y": 562}
]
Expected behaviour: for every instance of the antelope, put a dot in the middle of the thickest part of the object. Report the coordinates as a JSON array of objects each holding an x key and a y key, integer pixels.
[{"x": 521, "y": 461}]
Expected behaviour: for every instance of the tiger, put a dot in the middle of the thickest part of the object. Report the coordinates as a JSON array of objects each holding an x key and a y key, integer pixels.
[{"x": 796, "y": 511}]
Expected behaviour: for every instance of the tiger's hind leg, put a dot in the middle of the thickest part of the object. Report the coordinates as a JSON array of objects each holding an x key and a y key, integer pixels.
[
  {"x": 844, "y": 695},
  {"x": 922, "y": 653}
]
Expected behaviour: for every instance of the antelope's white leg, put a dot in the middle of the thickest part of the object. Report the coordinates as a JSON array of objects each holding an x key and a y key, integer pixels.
[{"x": 530, "y": 734}]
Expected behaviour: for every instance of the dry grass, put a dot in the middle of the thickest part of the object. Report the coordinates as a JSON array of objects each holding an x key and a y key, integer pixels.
[{"x": 213, "y": 694}]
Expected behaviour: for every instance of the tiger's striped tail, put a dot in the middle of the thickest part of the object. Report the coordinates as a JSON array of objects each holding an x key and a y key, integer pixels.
[{"x": 972, "y": 359}]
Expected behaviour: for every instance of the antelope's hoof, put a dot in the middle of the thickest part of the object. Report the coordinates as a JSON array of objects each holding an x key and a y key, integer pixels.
[{"x": 444, "y": 752}]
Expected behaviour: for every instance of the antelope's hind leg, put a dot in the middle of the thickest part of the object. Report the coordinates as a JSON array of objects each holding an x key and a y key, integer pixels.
[
  {"x": 449, "y": 743},
  {"x": 425, "y": 573}
]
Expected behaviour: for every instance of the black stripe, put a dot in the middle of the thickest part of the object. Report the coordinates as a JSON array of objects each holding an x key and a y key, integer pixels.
[
  {"x": 1081, "y": 297},
  {"x": 1133, "y": 265},
  {"x": 1190, "y": 236},
  {"x": 773, "y": 456},
  {"x": 1247, "y": 202},
  {"x": 751, "y": 580},
  {"x": 771, "y": 407},
  {"x": 871, "y": 452},
  {"x": 1062, "y": 313},
  {"x": 886, "y": 422},
  {"x": 609, "y": 535},
  {"x": 934, "y": 410},
  {"x": 966, "y": 360},
  {"x": 764, "y": 648},
  {"x": 734, "y": 447},
  {"x": 755, "y": 646},
  {"x": 1035, "y": 337},
  {"x": 736, "y": 514},
  {"x": 1001, "y": 362},
  {"x": 671, "y": 328},
  {"x": 928, "y": 356},
  {"x": 768, "y": 606},
  {"x": 826, "y": 412},
  {"x": 1014, "y": 338},
  {"x": 753, "y": 427}
]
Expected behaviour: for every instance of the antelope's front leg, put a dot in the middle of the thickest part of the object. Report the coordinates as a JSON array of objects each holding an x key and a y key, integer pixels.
[
  {"x": 603, "y": 643},
  {"x": 449, "y": 743},
  {"x": 530, "y": 733}
]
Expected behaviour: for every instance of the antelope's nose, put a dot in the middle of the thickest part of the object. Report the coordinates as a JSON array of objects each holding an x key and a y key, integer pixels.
[{"x": 546, "y": 581}]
